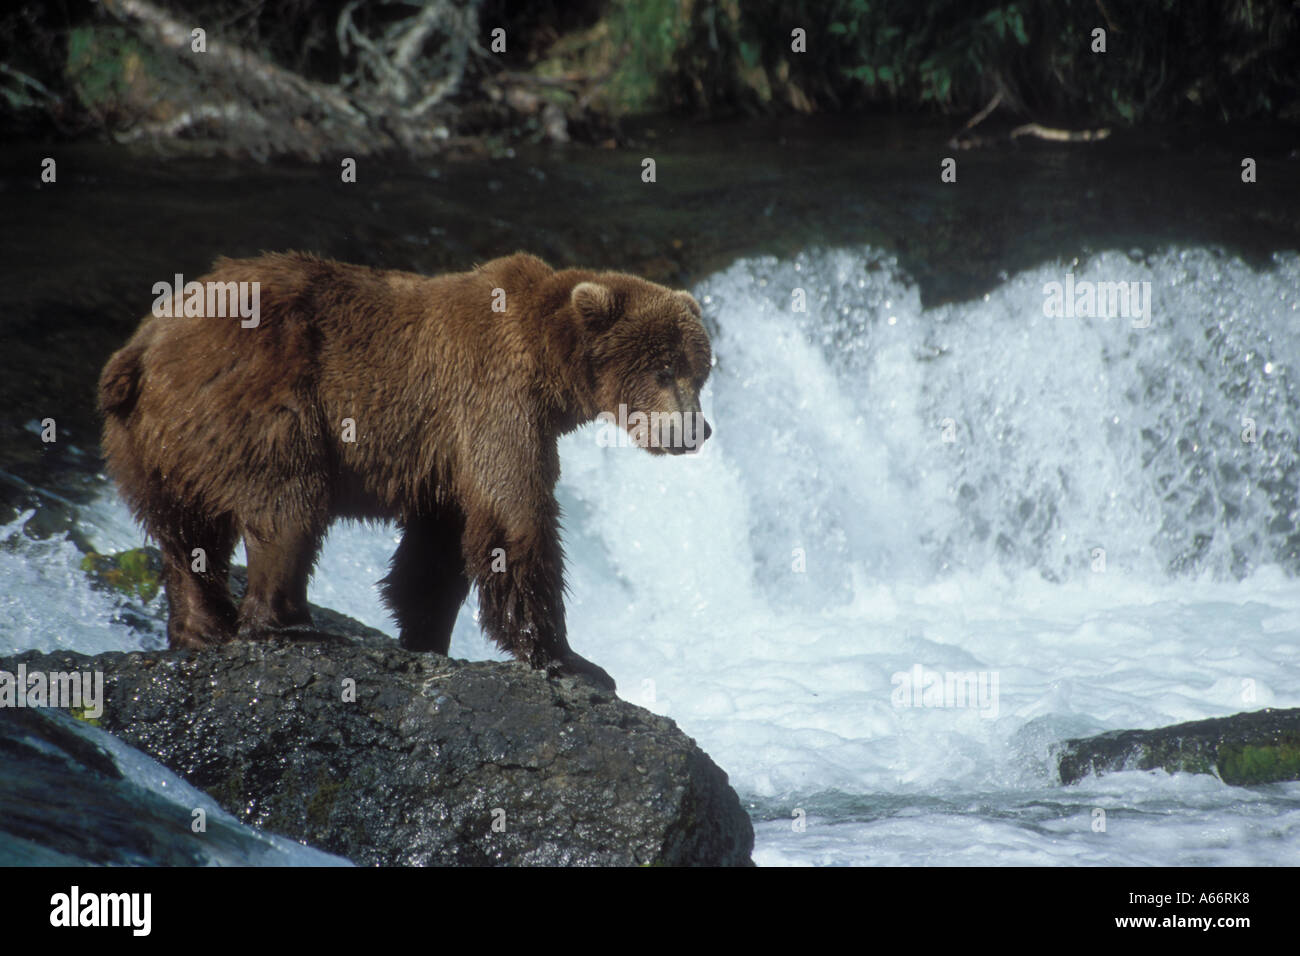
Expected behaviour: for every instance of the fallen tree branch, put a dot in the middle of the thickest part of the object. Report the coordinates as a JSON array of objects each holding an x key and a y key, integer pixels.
[
  {"x": 1036, "y": 130},
  {"x": 983, "y": 114},
  {"x": 221, "y": 56},
  {"x": 186, "y": 119},
  {"x": 1060, "y": 135},
  {"x": 955, "y": 143}
]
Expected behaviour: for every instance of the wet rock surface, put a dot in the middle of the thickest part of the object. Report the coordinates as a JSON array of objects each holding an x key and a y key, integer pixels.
[
  {"x": 345, "y": 741},
  {"x": 69, "y": 797}
]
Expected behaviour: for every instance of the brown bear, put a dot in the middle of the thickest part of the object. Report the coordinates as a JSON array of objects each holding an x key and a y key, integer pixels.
[{"x": 355, "y": 392}]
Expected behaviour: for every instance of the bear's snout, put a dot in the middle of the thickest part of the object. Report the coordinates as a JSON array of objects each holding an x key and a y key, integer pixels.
[{"x": 690, "y": 437}]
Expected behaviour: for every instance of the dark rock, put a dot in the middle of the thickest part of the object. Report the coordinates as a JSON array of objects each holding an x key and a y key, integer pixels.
[
  {"x": 1252, "y": 748},
  {"x": 429, "y": 755}
]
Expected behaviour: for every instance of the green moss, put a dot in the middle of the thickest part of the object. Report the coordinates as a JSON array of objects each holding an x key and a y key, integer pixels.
[
  {"x": 134, "y": 573},
  {"x": 1186, "y": 762},
  {"x": 1247, "y": 764},
  {"x": 80, "y": 713}
]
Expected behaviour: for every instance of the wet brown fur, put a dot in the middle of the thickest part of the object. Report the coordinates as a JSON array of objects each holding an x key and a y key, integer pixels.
[{"x": 214, "y": 431}]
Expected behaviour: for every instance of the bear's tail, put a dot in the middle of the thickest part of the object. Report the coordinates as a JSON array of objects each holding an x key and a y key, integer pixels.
[{"x": 119, "y": 383}]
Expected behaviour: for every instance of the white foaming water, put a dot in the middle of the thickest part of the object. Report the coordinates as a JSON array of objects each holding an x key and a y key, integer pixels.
[
  {"x": 46, "y": 601},
  {"x": 1064, "y": 505}
]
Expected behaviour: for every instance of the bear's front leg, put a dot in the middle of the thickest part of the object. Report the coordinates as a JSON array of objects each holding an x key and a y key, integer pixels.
[{"x": 521, "y": 599}]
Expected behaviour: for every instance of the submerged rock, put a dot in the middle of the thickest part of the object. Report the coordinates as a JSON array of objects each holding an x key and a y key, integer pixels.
[
  {"x": 362, "y": 749},
  {"x": 1251, "y": 748}
]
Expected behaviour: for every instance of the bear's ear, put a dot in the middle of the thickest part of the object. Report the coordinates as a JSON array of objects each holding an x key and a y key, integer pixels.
[{"x": 594, "y": 303}]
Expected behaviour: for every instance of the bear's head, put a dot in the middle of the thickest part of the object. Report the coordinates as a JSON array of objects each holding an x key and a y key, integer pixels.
[{"x": 650, "y": 357}]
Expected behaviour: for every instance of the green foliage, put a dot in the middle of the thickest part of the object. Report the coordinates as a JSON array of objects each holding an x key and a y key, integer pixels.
[
  {"x": 1163, "y": 58},
  {"x": 101, "y": 61},
  {"x": 646, "y": 35},
  {"x": 916, "y": 53},
  {"x": 117, "y": 78}
]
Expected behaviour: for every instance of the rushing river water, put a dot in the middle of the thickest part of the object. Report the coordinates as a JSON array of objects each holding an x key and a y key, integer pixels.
[{"x": 1095, "y": 518}]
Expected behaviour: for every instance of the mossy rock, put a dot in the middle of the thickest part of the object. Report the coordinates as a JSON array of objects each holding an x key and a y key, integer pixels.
[
  {"x": 1243, "y": 750},
  {"x": 135, "y": 573},
  {"x": 1263, "y": 762}
]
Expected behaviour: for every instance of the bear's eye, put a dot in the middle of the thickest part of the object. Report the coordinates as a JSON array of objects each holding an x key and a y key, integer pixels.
[{"x": 665, "y": 376}]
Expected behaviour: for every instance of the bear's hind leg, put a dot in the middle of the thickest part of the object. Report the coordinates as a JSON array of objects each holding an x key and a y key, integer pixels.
[
  {"x": 427, "y": 583},
  {"x": 201, "y": 612},
  {"x": 279, "y": 565}
]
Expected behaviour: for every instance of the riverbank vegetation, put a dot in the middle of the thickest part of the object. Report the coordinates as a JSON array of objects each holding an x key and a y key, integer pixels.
[{"x": 297, "y": 77}]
